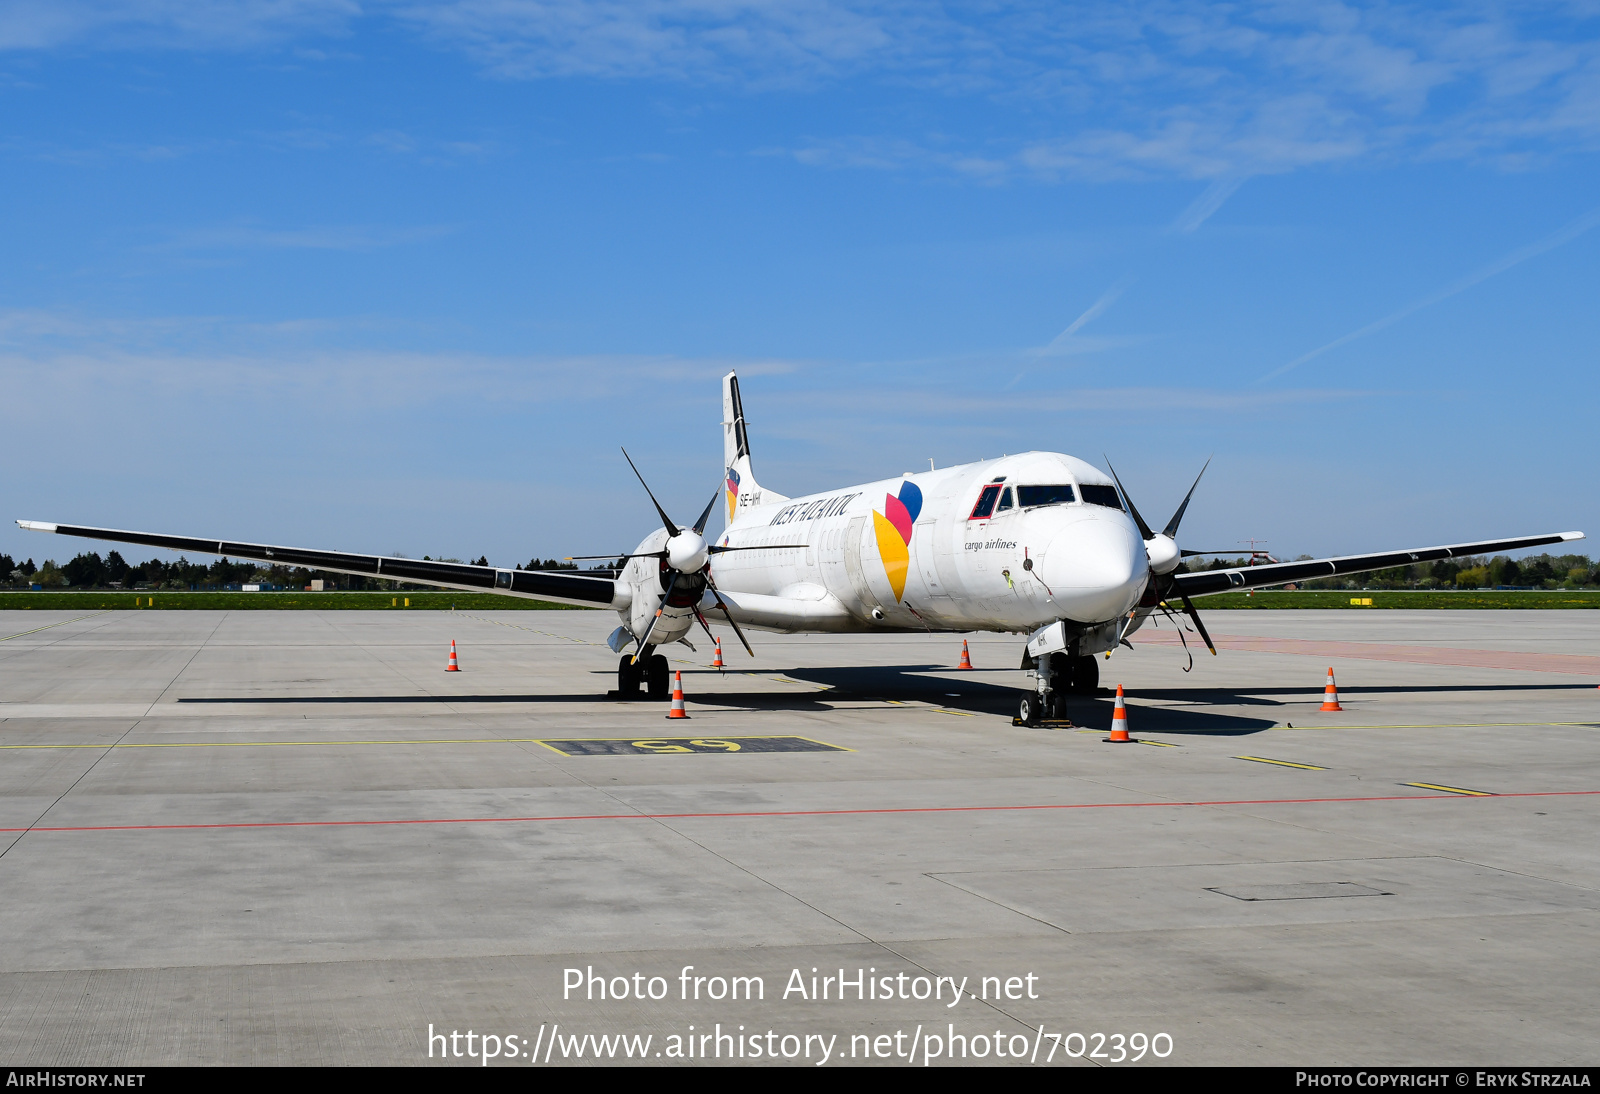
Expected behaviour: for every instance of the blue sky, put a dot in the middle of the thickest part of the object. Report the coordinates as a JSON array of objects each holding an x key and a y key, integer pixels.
[{"x": 400, "y": 277}]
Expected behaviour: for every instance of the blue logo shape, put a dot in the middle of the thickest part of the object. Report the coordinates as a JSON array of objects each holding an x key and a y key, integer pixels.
[{"x": 911, "y": 498}]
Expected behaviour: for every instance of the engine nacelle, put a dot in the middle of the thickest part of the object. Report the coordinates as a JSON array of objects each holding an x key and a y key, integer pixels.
[{"x": 647, "y": 579}]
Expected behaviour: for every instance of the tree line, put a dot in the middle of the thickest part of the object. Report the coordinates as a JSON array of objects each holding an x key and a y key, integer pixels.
[
  {"x": 1468, "y": 572},
  {"x": 90, "y": 571}
]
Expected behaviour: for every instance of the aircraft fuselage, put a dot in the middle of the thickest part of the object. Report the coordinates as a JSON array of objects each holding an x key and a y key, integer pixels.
[{"x": 1007, "y": 544}]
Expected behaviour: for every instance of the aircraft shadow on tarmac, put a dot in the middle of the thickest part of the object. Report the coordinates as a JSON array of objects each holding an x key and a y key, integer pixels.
[
  {"x": 751, "y": 700},
  {"x": 905, "y": 683}
]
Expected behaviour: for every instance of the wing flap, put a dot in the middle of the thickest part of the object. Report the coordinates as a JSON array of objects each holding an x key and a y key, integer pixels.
[{"x": 1254, "y": 577}]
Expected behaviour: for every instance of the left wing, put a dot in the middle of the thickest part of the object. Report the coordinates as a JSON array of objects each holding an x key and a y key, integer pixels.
[
  {"x": 541, "y": 585},
  {"x": 1254, "y": 577}
]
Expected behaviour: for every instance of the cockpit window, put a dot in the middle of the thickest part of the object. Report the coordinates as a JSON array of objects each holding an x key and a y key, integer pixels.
[
  {"x": 1101, "y": 495},
  {"x": 1031, "y": 496},
  {"x": 985, "y": 507},
  {"x": 1005, "y": 501}
]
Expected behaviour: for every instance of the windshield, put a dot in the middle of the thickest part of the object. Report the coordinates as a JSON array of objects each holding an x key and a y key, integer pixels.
[
  {"x": 1030, "y": 496},
  {"x": 985, "y": 506},
  {"x": 1101, "y": 495}
]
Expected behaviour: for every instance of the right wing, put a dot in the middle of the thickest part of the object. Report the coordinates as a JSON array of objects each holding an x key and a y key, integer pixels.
[
  {"x": 1202, "y": 582},
  {"x": 562, "y": 588}
]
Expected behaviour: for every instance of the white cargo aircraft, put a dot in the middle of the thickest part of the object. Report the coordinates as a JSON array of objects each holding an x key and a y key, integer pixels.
[{"x": 1039, "y": 543}]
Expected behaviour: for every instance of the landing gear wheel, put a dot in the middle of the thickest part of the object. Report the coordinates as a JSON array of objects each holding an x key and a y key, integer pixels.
[
  {"x": 657, "y": 678},
  {"x": 628, "y": 676},
  {"x": 1085, "y": 676},
  {"x": 1028, "y": 710}
]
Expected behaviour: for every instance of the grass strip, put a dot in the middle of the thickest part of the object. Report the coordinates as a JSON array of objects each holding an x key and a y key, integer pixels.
[{"x": 156, "y": 600}]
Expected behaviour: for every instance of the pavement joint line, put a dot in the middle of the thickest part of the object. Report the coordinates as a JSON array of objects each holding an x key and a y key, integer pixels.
[
  {"x": 530, "y": 630},
  {"x": 430, "y": 741},
  {"x": 94, "y": 763},
  {"x": 1454, "y": 795},
  {"x": 63, "y": 623},
  {"x": 1287, "y": 763}
]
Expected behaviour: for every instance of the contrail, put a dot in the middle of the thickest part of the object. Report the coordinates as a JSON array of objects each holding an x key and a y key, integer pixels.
[
  {"x": 1107, "y": 298},
  {"x": 1209, "y": 201},
  {"x": 1549, "y": 243},
  {"x": 1058, "y": 344}
]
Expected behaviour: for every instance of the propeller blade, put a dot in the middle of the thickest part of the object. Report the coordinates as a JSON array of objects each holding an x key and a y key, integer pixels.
[
  {"x": 705, "y": 625},
  {"x": 1144, "y": 529},
  {"x": 715, "y": 550},
  {"x": 666, "y": 521},
  {"x": 645, "y": 641},
  {"x": 1188, "y": 606},
  {"x": 723, "y": 605},
  {"x": 700, "y": 525},
  {"x": 1171, "y": 530}
]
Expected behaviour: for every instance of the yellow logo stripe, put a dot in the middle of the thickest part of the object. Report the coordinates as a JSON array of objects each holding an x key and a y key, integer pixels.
[{"x": 892, "y": 549}]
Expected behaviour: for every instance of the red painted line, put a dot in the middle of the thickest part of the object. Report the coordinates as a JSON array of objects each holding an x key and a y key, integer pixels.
[{"x": 793, "y": 812}]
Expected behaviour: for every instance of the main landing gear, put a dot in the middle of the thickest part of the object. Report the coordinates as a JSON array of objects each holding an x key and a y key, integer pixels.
[
  {"x": 650, "y": 670},
  {"x": 1057, "y": 676}
]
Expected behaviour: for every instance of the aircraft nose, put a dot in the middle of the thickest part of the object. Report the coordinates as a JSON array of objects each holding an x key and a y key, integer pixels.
[{"x": 1096, "y": 569}]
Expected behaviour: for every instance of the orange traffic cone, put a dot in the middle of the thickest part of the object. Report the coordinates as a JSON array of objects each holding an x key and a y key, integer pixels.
[
  {"x": 966, "y": 660},
  {"x": 1119, "y": 722},
  {"x": 452, "y": 666},
  {"x": 716, "y": 662},
  {"x": 1330, "y": 694},
  {"x": 677, "y": 710}
]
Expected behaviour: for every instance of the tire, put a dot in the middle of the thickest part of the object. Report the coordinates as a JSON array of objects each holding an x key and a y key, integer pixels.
[
  {"x": 1028, "y": 710},
  {"x": 1085, "y": 676},
  {"x": 659, "y": 678},
  {"x": 628, "y": 675}
]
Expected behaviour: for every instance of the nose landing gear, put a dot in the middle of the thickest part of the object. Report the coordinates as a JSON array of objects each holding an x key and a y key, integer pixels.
[{"x": 1057, "y": 676}]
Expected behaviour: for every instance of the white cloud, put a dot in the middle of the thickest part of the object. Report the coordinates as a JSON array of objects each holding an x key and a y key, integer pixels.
[
  {"x": 336, "y": 237},
  {"x": 1159, "y": 87},
  {"x": 190, "y": 24}
]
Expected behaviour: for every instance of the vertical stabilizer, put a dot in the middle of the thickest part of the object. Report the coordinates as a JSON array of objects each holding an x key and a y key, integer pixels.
[{"x": 741, "y": 489}]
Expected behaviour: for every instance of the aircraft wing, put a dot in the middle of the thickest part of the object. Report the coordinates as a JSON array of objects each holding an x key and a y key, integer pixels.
[
  {"x": 1254, "y": 577},
  {"x": 543, "y": 585}
]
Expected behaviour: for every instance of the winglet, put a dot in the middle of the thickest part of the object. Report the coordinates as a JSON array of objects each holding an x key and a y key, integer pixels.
[{"x": 36, "y": 526}]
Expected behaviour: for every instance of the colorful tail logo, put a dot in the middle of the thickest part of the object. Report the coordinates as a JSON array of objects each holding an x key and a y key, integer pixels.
[
  {"x": 893, "y": 529},
  {"x": 733, "y": 491}
]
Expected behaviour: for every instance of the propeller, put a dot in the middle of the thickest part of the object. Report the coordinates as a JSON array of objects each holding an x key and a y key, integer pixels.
[
  {"x": 687, "y": 556},
  {"x": 1164, "y": 554}
]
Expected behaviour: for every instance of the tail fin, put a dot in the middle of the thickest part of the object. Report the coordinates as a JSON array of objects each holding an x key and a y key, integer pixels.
[{"x": 743, "y": 492}]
